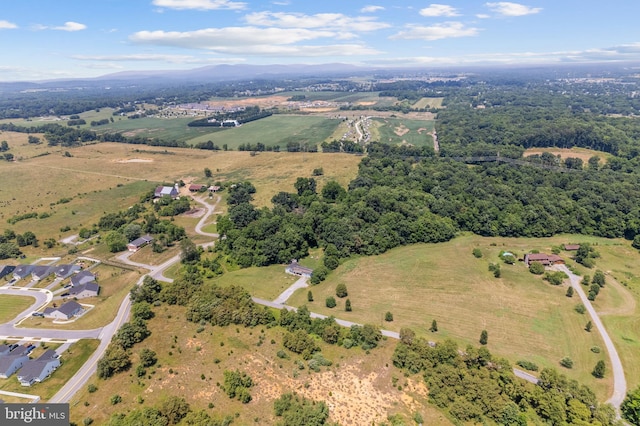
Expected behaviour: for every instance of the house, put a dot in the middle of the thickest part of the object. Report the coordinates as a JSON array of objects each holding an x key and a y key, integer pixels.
[
  {"x": 572, "y": 247},
  {"x": 65, "y": 271},
  {"x": 64, "y": 312},
  {"x": 22, "y": 271},
  {"x": 6, "y": 270},
  {"x": 14, "y": 360},
  {"x": 5, "y": 349},
  {"x": 138, "y": 243},
  {"x": 545, "y": 259},
  {"x": 41, "y": 272},
  {"x": 166, "y": 191},
  {"x": 295, "y": 268},
  {"x": 196, "y": 188},
  {"x": 82, "y": 278},
  {"x": 214, "y": 188},
  {"x": 85, "y": 290},
  {"x": 36, "y": 370}
]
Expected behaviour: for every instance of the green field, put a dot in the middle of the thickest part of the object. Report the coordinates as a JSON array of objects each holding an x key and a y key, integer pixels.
[
  {"x": 526, "y": 317},
  {"x": 274, "y": 130},
  {"x": 429, "y": 103},
  {"x": 399, "y": 130},
  {"x": 169, "y": 129},
  {"x": 10, "y": 306}
]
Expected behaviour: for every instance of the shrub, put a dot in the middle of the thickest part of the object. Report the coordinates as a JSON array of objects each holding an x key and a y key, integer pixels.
[
  {"x": 484, "y": 337},
  {"x": 115, "y": 399},
  {"x": 599, "y": 370},
  {"x": 92, "y": 388},
  {"x": 536, "y": 268},
  {"x": 330, "y": 302},
  {"x": 580, "y": 308},
  {"x": 341, "y": 290},
  {"x": 477, "y": 253},
  {"x": 527, "y": 365},
  {"x": 566, "y": 362},
  {"x": 595, "y": 349},
  {"x": 388, "y": 316}
]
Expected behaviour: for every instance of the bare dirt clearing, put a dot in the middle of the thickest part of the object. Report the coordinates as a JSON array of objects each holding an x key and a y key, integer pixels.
[{"x": 134, "y": 160}]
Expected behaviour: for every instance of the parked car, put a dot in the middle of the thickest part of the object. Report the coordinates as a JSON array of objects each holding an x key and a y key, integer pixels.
[{"x": 37, "y": 314}]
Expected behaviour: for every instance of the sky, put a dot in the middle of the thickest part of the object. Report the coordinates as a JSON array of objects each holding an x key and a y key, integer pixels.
[{"x": 48, "y": 39}]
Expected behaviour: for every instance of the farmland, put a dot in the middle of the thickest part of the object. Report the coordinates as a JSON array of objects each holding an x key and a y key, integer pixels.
[{"x": 401, "y": 130}]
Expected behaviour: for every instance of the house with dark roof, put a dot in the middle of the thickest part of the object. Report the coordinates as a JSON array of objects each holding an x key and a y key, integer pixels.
[
  {"x": 194, "y": 187},
  {"x": 6, "y": 270},
  {"x": 64, "y": 312},
  {"x": 37, "y": 370},
  {"x": 545, "y": 259},
  {"x": 82, "y": 278},
  {"x": 65, "y": 271},
  {"x": 14, "y": 360},
  {"x": 166, "y": 191},
  {"x": 5, "y": 349},
  {"x": 138, "y": 243},
  {"x": 22, "y": 271},
  {"x": 85, "y": 290},
  {"x": 41, "y": 272},
  {"x": 295, "y": 268}
]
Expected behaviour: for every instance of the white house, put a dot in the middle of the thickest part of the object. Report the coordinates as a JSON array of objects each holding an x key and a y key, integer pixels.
[{"x": 37, "y": 370}]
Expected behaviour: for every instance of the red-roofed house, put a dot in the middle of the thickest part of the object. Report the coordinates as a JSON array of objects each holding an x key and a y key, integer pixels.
[{"x": 545, "y": 259}]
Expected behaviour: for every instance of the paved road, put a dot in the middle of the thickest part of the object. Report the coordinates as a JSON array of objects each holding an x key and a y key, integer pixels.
[
  {"x": 285, "y": 295},
  {"x": 619, "y": 381}
]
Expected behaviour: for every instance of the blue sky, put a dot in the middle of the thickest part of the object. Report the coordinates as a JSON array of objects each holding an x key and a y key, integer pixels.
[{"x": 45, "y": 39}]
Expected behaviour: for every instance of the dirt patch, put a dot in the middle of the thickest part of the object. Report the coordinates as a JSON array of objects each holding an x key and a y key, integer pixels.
[
  {"x": 134, "y": 160},
  {"x": 421, "y": 130},
  {"x": 401, "y": 130},
  {"x": 366, "y": 103},
  {"x": 194, "y": 213},
  {"x": 564, "y": 153}
]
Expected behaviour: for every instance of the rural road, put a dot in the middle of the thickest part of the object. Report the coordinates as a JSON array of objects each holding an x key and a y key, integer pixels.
[{"x": 619, "y": 381}]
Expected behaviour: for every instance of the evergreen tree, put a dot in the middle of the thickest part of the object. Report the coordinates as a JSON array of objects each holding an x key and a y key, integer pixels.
[
  {"x": 434, "y": 326},
  {"x": 484, "y": 337},
  {"x": 347, "y": 306},
  {"x": 570, "y": 292},
  {"x": 598, "y": 370},
  {"x": 309, "y": 296},
  {"x": 588, "y": 327}
]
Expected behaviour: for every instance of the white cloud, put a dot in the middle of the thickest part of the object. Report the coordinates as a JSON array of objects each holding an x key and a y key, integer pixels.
[
  {"x": 327, "y": 21},
  {"x": 253, "y": 41},
  {"x": 6, "y": 25},
  {"x": 154, "y": 57},
  {"x": 482, "y": 16},
  {"x": 70, "y": 26},
  {"x": 506, "y": 8},
  {"x": 371, "y": 9},
  {"x": 436, "y": 32},
  {"x": 200, "y": 4},
  {"x": 439, "y": 10}
]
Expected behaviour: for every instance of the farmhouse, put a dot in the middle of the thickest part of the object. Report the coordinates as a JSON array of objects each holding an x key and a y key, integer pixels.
[
  {"x": 545, "y": 259},
  {"x": 82, "y": 278},
  {"x": 194, "y": 187},
  {"x": 6, "y": 270},
  {"x": 572, "y": 247},
  {"x": 295, "y": 268},
  {"x": 65, "y": 271},
  {"x": 138, "y": 243},
  {"x": 85, "y": 290},
  {"x": 166, "y": 191},
  {"x": 64, "y": 312},
  {"x": 22, "y": 271},
  {"x": 36, "y": 370},
  {"x": 214, "y": 188},
  {"x": 15, "y": 359},
  {"x": 41, "y": 272}
]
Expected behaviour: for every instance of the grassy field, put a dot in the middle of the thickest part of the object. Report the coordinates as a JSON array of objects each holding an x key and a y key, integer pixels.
[
  {"x": 429, "y": 103},
  {"x": 107, "y": 177},
  {"x": 526, "y": 317},
  {"x": 10, "y": 306},
  {"x": 400, "y": 130},
  {"x": 275, "y": 130},
  {"x": 162, "y": 128},
  {"x": 582, "y": 153},
  {"x": 72, "y": 360},
  {"x": 191, "y": 364}
]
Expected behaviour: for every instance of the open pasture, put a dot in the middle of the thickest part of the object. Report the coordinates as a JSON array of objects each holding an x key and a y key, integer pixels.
[
  {"x": 429, "y": 103},
  {"x": 275, "y": 130},
  {"x": 564, "y": 153},
  {"x": 399, "y": 130},
  {"x": 526, "y": 318}
]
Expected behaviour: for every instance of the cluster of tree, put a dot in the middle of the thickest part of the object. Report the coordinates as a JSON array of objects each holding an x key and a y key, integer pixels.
[
  {"x": 237, "y": 385},
  {"x": 247, "y": 115},
  {"x": 166, "y": 206},
  {"x": 17, "y": 218},
  {"x": 341, "y": 146},
  {"x": 597, "y": 283},
  {"x": 258, "y": 147},
  {"x": 95, "y": 123},
  {"x": 586, "y": 255},
  {"x": 473, "y": 386},
  {"x": 630, "y": 407},
  {"x": 4, "y": 146},
  {"x": 300, "y": 326},
  {"x": 9, "y": 248},
  {"x": 295, "y": 410},
  {"x": 172, "y": 410},
  {"x": 76, "y": 122},
  {"x": 209, "y": 145}
]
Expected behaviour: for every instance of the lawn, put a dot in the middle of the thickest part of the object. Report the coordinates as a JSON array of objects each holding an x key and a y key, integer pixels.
[
  {"x": 192, "y": 359},
  {"x": 266, "y": 283},
  {"x": 401, "y": 130},
  {"x": 72, "y": 359},
  {"x": 428, "y": 103},
  {"x": 168, "y": 129},
  {"x": 526, "y": 318},
  {"x": 11, "y": 306},
  {"x": 278, "y": 130}
]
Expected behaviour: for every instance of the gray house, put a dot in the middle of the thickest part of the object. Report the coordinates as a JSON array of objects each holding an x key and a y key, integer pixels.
[
  {"x": 13, "y": 361},
  {"x": 5, "y": 349},
  {"x": 36, "y": 370},
  {"x": 41, "y": 272},
  {"x": 6, "y": 270},
  {"x": 64, "y": 312},
  {"x": 166, "y": 191},
  {"x": 295, "y": 268},
  {"x": 65, "y": 271},
  {"x": 82, "y": 278},
  {"x": 85, "y": 290},
  {"x": 22, "y": 271},
  {"x": 138, "y": 243}
]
